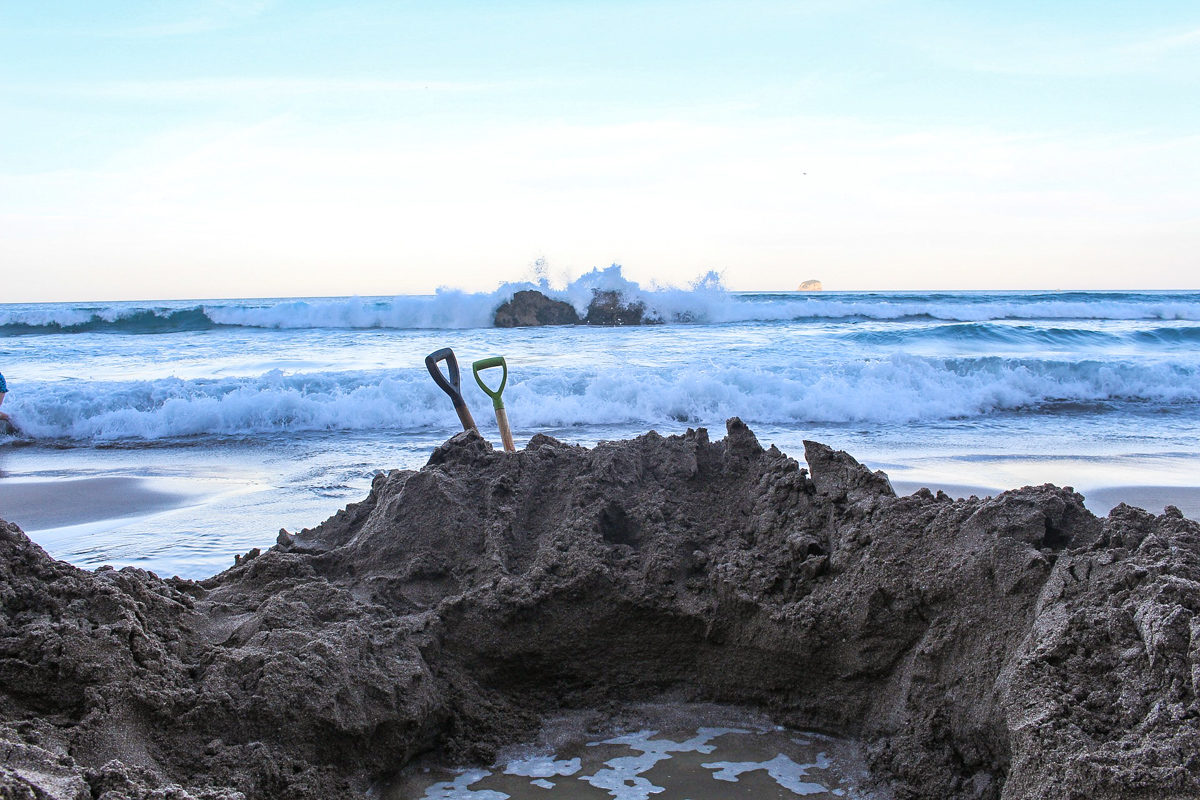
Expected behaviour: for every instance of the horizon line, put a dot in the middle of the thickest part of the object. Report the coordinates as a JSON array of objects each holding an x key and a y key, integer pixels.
[{"x": 434, "y": 292}]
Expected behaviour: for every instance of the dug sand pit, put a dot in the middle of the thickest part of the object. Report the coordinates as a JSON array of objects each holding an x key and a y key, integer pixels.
[{"x": 1015, "y": 646}]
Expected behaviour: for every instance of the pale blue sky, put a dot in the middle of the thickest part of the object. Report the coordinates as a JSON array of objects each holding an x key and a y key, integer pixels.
[{"x": 197, "y": 148}]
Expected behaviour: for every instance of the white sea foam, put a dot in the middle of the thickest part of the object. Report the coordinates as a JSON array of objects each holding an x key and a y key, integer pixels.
[
  {"x": 706, "y": 300},
  {"x": 632, "y": 776},
  {"x": 460, "y": 788},
  {"x": 542, "y": 767},
  {"x": 891, "y": 390},
  {"x": 786, "y": 772},
  {"x": 622, "y": 777},
  {"x": 447, "y": 309}
]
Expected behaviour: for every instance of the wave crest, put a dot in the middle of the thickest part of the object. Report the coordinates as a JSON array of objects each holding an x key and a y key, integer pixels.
[{"x": 896, "y": 390}]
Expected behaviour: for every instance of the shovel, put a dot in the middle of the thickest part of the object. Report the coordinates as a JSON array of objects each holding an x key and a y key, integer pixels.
[
  {"x": 453, "y": 386},
  {"x": 501, "y": 417}
]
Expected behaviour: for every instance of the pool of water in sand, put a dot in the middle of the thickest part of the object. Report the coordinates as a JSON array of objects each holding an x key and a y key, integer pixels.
[{"x": 756, "y": 760}]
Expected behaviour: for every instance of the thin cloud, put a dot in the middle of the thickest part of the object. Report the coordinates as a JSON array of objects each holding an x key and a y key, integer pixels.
[
  {"x": 1027, "y": 49},
  {"x": 216, "y": 88},
  {"x": 205, "y": 16},
  {"x": 1163, "y": 45}
]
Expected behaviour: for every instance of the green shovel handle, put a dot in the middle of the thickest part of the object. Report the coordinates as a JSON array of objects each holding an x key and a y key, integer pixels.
[{"x": 488, "y": 363}]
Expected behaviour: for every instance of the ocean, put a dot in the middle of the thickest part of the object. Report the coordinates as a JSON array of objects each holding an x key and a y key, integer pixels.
[{"x": 260, "y": 414}]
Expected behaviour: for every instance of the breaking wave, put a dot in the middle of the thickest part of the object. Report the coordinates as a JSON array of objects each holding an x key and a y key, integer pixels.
[{"x": 894, "y": 390}]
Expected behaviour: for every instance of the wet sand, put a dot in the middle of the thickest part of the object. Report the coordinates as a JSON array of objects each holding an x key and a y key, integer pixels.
[{"x": 38, "y": 505}]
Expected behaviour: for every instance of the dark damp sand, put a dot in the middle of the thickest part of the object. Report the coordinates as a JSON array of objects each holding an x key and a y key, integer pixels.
[
  {"x": 38, "y": 505},
  {"x": 956, "y": 679},
  {"x": 44, "y": 504},
  {"x": 1099, "y": 501}
]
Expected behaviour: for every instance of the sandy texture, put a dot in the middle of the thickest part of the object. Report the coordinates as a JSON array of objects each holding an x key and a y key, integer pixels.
[
  {"x": 1002, "y": 648},
  {"x": 38, "y": 505}
]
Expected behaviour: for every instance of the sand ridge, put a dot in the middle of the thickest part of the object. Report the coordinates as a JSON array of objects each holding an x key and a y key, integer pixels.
[{"x": 1015, "y": 646}]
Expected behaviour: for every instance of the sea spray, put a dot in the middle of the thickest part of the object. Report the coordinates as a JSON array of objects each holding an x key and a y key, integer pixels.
[{"x": 705, "y": 301}]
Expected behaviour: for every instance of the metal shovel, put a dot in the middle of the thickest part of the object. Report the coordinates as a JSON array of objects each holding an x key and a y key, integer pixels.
[
  {"x": 501, "y": 416},
  {"x": 453, "y": 386}
]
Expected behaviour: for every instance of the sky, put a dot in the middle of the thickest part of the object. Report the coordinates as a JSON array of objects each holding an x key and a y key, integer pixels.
[{"x": 156, "y": 149}]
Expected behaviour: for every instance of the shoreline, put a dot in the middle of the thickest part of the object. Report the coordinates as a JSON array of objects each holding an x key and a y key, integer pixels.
[{"x": 38, "y": 505}]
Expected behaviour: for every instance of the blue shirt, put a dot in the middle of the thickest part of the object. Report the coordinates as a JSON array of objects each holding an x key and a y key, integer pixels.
[{"x": 3, "y": 385}]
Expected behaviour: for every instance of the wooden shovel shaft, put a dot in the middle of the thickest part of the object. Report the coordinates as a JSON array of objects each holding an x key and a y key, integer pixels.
[
  {"x": 505, "y": 431},
  {"x": 464, "y": 416}
]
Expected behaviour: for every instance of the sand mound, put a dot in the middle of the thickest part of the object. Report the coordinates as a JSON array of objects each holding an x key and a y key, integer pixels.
[{"x": 1007, "y": 647}]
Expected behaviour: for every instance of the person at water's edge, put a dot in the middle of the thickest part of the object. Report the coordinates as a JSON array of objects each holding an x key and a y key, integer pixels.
[{"x": 5, "y": 419}]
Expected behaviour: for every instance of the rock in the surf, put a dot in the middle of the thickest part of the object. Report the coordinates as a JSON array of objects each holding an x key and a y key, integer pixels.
[
  {"x": 610, "y": 308},
  {"x": 531, "y": 307}
]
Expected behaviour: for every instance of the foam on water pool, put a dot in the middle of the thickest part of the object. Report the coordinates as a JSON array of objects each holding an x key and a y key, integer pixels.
[
  {"x": 787, "y": 773},
  {"x": 759, "y": 761},
  {"x": 542, "y": 767},
  {"x": 459, "y": 788},
  {"x": 622, "y": 777}
]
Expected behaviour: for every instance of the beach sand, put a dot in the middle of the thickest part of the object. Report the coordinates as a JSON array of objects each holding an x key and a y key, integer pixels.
[
  {"x": 38, "y": 505},
  {"x": 103, "y": 503},
  {"x": 417, "y": 618}
]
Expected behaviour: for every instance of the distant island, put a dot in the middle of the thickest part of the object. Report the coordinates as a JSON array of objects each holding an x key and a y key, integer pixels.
[{"x": 810, "y": 286}]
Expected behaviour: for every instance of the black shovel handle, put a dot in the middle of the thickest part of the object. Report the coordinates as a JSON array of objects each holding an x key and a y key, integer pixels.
[{"x": 453, "y": 386}]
